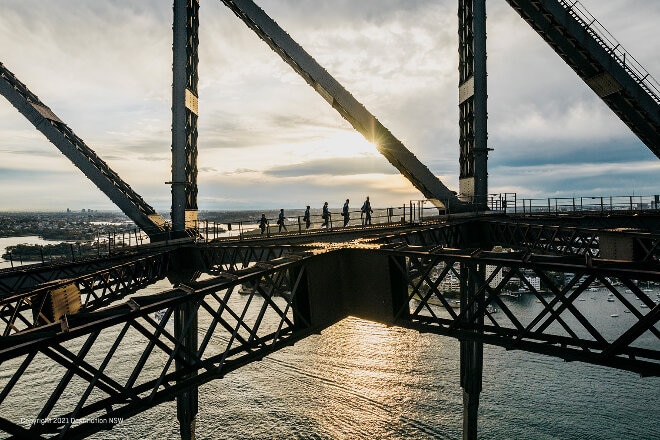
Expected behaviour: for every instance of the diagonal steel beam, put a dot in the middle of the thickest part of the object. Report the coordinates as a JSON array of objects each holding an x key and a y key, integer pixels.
[
  {"x": 83, "y": 157},
  {"x": 600, "y": 61},
  {"x": 346, "y": 105}
]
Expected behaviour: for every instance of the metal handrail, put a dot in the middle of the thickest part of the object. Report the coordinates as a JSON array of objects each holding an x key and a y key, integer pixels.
[{"x": 618, "y": 52}]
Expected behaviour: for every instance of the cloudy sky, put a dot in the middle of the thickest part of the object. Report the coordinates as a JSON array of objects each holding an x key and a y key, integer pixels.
[{"x": 266, "y": 139}]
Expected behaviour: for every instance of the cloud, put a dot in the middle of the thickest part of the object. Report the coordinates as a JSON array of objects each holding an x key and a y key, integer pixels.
[
  {"x": 585, "y": 179},
  {"x": 344, "y": 166}
]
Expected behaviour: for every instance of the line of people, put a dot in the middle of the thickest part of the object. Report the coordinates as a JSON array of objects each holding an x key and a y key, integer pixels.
[{"x": 326, "y": 215}]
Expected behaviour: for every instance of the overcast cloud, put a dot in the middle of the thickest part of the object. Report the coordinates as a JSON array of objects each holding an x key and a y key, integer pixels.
[{"x": 266, "y": 139}]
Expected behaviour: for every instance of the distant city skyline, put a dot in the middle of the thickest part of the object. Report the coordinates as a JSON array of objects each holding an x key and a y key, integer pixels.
[{"x": 267, "y": 140}]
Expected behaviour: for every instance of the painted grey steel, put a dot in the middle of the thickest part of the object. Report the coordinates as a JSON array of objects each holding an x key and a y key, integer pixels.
[
  {"x": 616, "y": 77},
  {"x": 184, "y": 189},
  {"x": 83, "y": 157},
  {"x": 184, "y": 115},
  {"x": 473, "y": 139},
  {"x": 347, "y": 106}
]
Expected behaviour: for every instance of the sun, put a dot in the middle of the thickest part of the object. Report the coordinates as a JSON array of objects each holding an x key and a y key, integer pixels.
[{"x": 346, "y": 143}]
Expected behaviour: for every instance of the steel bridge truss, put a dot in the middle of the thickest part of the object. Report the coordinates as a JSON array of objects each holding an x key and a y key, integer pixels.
[
  {"x": 229, "y": 258},
  {"x": 612, "y": 73},
  {"x": 560, "y": 327},
  {"x": 27, "y": 277},
  {"x": 564, "y": 240},
  {"x": 149, "y": 332},
  {"x": 24, "y": 310}
]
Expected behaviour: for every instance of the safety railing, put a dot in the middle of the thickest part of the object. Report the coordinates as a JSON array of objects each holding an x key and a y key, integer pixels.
[
  {"x": 511, "y": 204},
  {"x": 296, "y": 223}
]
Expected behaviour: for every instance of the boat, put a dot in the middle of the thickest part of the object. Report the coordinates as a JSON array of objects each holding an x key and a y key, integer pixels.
[
  {"x": 614, "y": 315},
  {"x": 510, "y": 294}
]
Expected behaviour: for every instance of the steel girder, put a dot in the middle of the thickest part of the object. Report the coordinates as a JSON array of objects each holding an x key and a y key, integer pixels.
[
  {"x": 621, "y": 83},
  {"x": 97, "y": 289},
  {"x": 346, "y": 105},
  {"x": 232, "y": 333},
  {"x": 560, "y": 328},
  {"x": 83, "y": 157}
]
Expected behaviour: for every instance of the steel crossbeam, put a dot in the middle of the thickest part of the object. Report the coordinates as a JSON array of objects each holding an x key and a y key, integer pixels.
[
  {"x": 83, "y": 157},
  {"x": 234, "y": 329},
  {"x": 560, "y": 327}
]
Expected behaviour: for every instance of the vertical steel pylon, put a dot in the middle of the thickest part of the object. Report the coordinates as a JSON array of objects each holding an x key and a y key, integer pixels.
[
  {"x": 184, "y": 185},
  {"x": 184, "y": 116},
  {"x": 472, "y": 96}
]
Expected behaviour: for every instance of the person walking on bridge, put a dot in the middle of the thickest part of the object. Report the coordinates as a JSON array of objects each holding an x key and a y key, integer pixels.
[
  {"x": 280, "y": 221},
  {"x": 306, "y": 218},
  {"x": 263, "y": 222},
  {"x": 366, "y": 210},
  {"x": 345, "y": 213},
  {"x": 326, "y": 215}
]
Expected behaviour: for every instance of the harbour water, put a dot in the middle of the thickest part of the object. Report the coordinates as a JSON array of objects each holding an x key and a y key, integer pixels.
[{"x": 363, "y": 380}]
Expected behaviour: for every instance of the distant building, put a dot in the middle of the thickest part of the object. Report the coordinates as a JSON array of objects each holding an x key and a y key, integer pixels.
[{"x": 497, "y": 279}]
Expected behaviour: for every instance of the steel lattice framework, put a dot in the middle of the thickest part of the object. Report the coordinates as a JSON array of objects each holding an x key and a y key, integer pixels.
[
  {"x": 184, "y": 115},
  {"x": 560, "y": 328},
  {"x": 235, "y": 329},
  {"x": 232, "y": 334},
  {"x": 201, "y": 330},
  {"x": 96, "y": 289}
]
